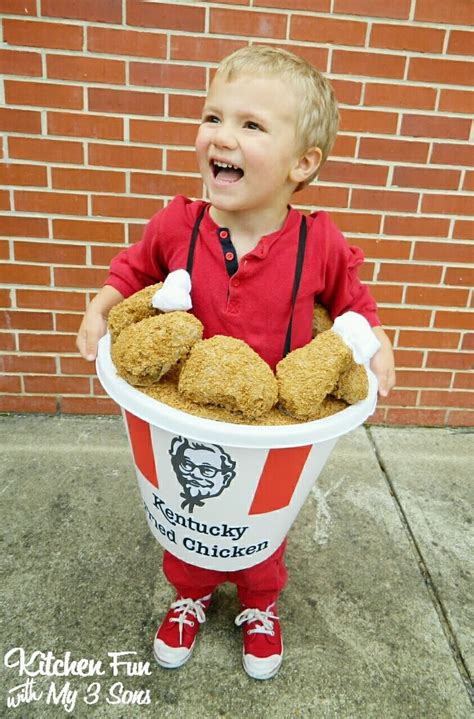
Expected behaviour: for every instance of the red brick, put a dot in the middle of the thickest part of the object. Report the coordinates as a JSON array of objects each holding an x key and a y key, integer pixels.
[
  {"x": 426, "y": 178},
  {"x": 53, "y": 253},
  {"x": 347, "y": 92},
  {"x": 384, "y": 200},
  {"x": 464, "y": 230},
  {"x": 456, "y": 101},
  {"x": 5, "y": 201},
  {"x": 85, "y": 69},
  {"x": 354, "y": 173},
  {"x": 56, "y": 385},
  {"x": 20, "y": 121},
  {"x": 4, "y": 250},
  {"x": 328, "y": 30},
  {"x": 383, "y": 248},
  {"x": 444, "y": 319},
  {"x": 14, "y": 62},
  {"x": 107, "y": 206},
  {"x": 108, "y": 11},
  {"x": 13, "y": 403},
  {"x": 86, "y": 277},
  {"x": 452, "y": 154},
  {"x": 437, "y": 296},
  {"x": 161, "y": 132},
  {"x": 439, "y": 72},
  {"x": 415, "y": 226},
  {"x": 23, "y": 226},
  {"x": 88, "y": 405},
  {"x": 43, "y": 94},
  {"x": 468, "y": 184},
  {"x": 374, "y": 8},
  {"x": 135, "y": 232},
  {"x": 181, "y": 161},
  {"x": 317, "y": 56},
  {"x": 423, "y": 378},
  {"x": 243, "y": 22},
  {"x": 404, "y": 37},
  {"x": 160, "y": 15},
  {"x": 58, "y": 203},
  {"x": 92, "y": 231},
  {"x": 460, "y": 418},
  {"x": 459, "y": 276},
  {"x": 364, "y": 121},
  {"x": 76, "y": 366},
  {"x": 404, "y": 317},
  {"x": 25, "y": 363},
  {"x": 443, "y": 252},
  {"x": 386, "y": 294},
  {"x": 312, "y": 5},
  {"x": 457, "y": 12},
  {"x": 366, "y": 272},
  {"x": 58, "y": 151},
  {"x": 428, "y": 338},
  {"x": 409, "y": 272},
  {"x": 408, "y": 358},
  {"x": 96, "y": 180},
  {"x": 375, "y": 148},
  {"x": 403, "y": 397},
  {"x": 43, "y": 342},
  {"x": 368, "y": 64},
  {"x": 164, "y": 75},
  {"x": 460, "y": 43},
  {"x": 102, "y": 255},
  {"x": 468, "y": 341},
  {"x": 76, "y": 125},
  {"x": 147, "y": 184},
  {"x": 410, "y": 96},
  {"x": 188, "y": 106},
  {"x": 43, "y": 34},
  {"x": 451, "y": 128},
  {"x": 345, "y": 146},
  {"x": 184, "y": 47},
  {"x": 23, "y": 175},
  {"x": 463, "y": 380},
  {"x": 125, "y": 156},
  {"x": 356, "y": 222},
  {"x": 51, "y": 299},
  {"x": 321, "y": 196},
  {"x": 447, "y": 398},
  {"x": 7, "y": 341},
  {"x": 68, "y": 322},
  {"x": 451, "y": 360},
  {"x": 418, "y": 417},
  {"x": 26, "y": 320},
  {"x": 18, "y": 7},
  {"x": 125, "y": 102},
  {"x": 24, "y": 274},
  {"x": 450, "y": 205},
  {"x": 126, "y": 42}
]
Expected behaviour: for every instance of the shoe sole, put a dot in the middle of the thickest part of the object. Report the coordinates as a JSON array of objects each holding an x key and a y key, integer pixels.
[
  {"x": 262, "y": 677},
  {"x": 168, "y": 665}
]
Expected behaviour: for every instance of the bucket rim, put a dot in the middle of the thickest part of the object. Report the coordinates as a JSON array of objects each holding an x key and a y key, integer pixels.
[{"x": 202, "y": 429}]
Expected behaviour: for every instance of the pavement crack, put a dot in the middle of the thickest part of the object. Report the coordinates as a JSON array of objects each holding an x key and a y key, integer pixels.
[{"x": 433, "y": 593}]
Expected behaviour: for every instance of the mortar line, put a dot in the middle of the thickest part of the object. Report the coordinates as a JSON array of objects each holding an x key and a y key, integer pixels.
[{"x": 427, "y": 578}]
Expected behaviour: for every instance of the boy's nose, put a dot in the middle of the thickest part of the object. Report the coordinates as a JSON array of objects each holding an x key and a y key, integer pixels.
[{"x": 224, "y": 136}]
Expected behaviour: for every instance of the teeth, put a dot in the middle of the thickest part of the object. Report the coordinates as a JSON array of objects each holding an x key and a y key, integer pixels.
[{"x": 225, "y": 164}]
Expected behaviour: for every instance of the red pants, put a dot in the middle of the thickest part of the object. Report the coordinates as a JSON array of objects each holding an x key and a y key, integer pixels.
[{"x": 257, "y": 586}]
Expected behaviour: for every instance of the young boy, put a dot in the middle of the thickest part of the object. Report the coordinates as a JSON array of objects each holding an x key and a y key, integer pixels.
[{"x": 268, "y": 124}]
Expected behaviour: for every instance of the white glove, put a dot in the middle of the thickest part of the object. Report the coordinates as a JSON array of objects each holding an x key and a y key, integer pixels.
[
  {"x": 356, "y": 332},
  {"x": 175, "y": 293}
]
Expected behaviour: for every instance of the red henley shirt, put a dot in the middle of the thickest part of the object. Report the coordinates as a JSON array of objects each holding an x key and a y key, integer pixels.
[{"x": 255, "y": 303}]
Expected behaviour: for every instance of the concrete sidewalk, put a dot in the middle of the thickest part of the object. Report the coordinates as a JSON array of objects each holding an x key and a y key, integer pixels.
[{"x": 377, "y": 616}]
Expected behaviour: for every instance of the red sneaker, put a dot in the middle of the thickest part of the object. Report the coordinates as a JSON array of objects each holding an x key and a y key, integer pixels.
[
  {"x": 263, "y": 646},
  {"x": 176, "y": 636}
]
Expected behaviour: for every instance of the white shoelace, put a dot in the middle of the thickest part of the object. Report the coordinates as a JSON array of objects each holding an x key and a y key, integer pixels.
[
  {"x": 256, "y": 615},
  {"x": 188, "y": 606}
]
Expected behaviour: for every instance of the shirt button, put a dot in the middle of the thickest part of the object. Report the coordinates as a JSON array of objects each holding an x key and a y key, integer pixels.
[
  {"x": 224, "y": 234},
  {"x": 229, "y": 256},
  {"x": 235, "y": 282}
]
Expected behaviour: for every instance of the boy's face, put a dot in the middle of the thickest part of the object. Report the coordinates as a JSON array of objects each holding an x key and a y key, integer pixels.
[{"x": 249, "y": 124}]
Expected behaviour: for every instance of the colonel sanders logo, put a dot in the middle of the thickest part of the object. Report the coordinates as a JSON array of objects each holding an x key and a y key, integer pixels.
[{"x": 203, "y": 470}]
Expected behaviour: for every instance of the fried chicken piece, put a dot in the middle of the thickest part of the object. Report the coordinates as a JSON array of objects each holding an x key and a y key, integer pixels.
[
  {"x": 353, "y": 384},
  {"x": 135, "y": 308},
  {"x": 226, "y": 372},
  {"x": 321, "y": 319},
  {"x": 307, "y": 375},
  {"x": 145, "y": 351}
]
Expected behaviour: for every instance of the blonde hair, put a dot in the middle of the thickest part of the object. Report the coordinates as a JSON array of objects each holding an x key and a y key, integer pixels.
[{"x": 317, "y": 121}]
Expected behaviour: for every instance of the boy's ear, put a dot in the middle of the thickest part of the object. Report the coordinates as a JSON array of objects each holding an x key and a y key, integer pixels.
[{"x": 306, "y": 165}]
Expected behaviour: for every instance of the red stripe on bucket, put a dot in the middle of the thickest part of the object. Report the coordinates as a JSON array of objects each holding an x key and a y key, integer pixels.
[
  {"x": 142, "y": 448},
  {"x": 279, "y": 478}
]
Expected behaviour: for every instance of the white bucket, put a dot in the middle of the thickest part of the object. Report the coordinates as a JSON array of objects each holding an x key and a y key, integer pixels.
[{"x": 220, "y": 495}]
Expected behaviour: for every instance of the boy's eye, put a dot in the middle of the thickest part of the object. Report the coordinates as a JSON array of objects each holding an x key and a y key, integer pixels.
[
  {"x": 253, "y": 125},
  {"x": 211, "y": 118}
]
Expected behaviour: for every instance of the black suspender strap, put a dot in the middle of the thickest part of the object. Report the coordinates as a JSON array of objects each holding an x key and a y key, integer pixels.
[
  {"x": 192, "y": 244},
  {"x": 296, "y": 284}
]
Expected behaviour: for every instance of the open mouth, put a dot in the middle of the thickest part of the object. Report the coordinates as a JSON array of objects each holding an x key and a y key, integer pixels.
[{"x": 226, "y": 172}]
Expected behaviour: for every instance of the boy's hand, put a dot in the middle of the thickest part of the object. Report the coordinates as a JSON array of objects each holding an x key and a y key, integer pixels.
[
  {"x": 382, "y": 363},
  {"x": 94, "y": 323}
]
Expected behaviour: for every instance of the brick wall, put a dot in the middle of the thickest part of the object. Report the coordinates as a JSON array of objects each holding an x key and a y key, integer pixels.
[{"x": 101, "y": 103}]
